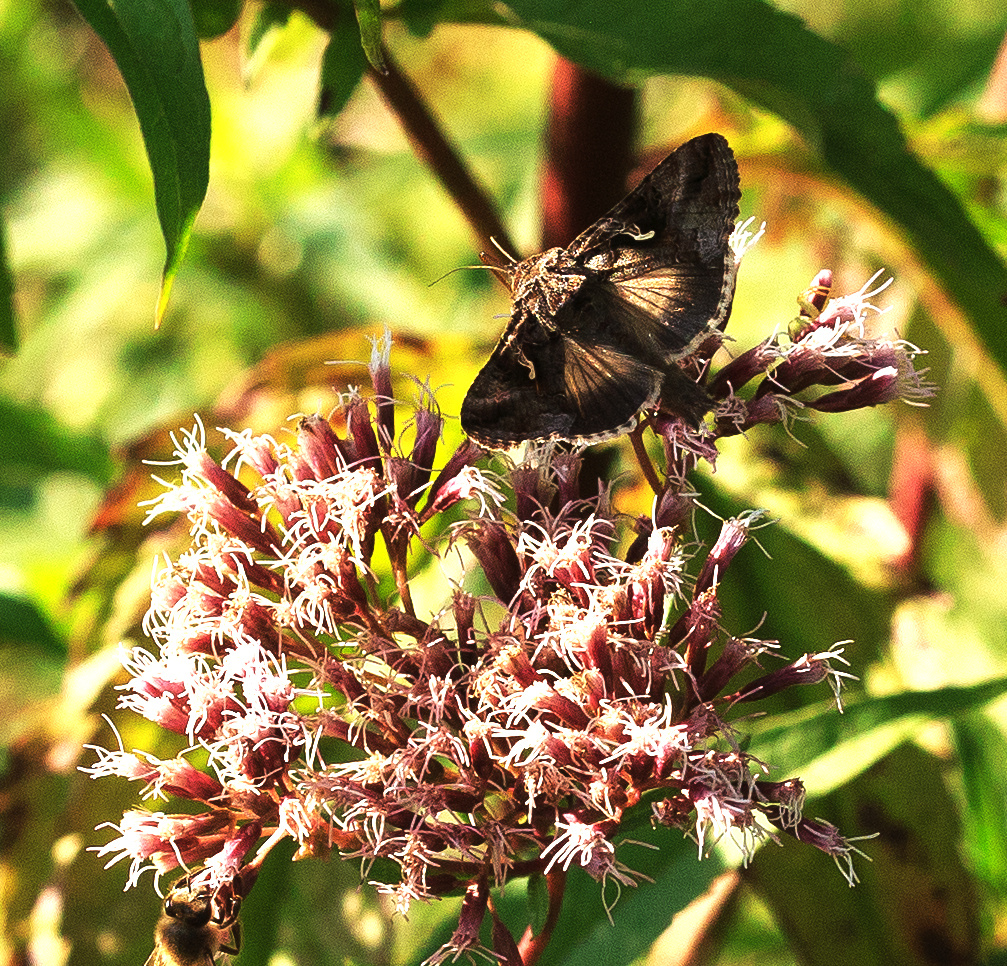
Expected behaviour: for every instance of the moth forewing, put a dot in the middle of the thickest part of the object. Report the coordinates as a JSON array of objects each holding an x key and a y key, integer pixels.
[{"x": 596, "y": 328}]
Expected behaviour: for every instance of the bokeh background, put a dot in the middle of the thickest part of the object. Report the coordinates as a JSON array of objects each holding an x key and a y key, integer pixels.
[{"x": 318, "y": 230}]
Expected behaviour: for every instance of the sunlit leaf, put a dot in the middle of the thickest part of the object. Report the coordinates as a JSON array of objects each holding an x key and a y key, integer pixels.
[
  {"x": 827, "y": 749},
  {"x": 8, "y": 331},
  {"x": 267, "y": 24},
  {"x": 369, "y": 19},
  {"x": 155, "y": 46}
]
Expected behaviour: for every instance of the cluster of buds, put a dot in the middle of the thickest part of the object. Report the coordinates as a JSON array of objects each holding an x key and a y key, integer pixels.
[
  {"x": 500, "y": 724},
  {"x": 828, "y": 353}
]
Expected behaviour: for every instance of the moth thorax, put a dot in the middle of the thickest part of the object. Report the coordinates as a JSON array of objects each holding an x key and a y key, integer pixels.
[{"x": 542, "y": 283}]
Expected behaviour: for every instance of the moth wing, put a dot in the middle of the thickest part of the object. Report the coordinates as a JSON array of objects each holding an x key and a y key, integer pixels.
[
  {"x": 605, "y": 388},
  {"x": 686, "y": 206},
  {"x": 667, "y": 309},
  {"x": 582, "y": 390},
  {"x": 659, "y": 275},
  {"x": 508, "y": 402}
]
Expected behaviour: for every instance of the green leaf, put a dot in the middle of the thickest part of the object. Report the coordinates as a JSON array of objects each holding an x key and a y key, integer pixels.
[
  {"x": 263, "y": 910},
  {"x": 268, "y": 23},
  {"x": 35, "y": 445},
  {"x": 421, "y": 16},
  {"x": 343, "y": 64},
  {"x": 827, "y": 749},
  {"x": 155, "y": 47},
  {"x": 538, "y": 902},
  {"x": 772, "y": 59},
  {"x": 586, "y": 934},
  {"x": 214, "y": 18},
  {"x": 369, "y": 20},
  {"x": 914, "y": 896},
  {"x": 25, "y": 626},
  {"x": 8, "y": 331},
  {"x": 982, "y": 750}
]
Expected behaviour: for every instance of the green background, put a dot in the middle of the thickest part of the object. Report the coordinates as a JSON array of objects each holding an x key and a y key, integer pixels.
[{"x": 868, "y": 136}]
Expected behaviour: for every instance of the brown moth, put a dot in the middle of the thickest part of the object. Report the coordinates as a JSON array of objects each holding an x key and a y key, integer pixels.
[{"x": 597, "y": 328}]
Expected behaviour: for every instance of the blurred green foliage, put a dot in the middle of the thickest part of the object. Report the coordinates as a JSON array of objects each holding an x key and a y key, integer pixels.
[{"x": 867, "y": 135}]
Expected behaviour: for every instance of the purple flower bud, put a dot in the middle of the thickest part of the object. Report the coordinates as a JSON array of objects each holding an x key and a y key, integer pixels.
[
  {"x": 361, "y": 431},
  {"x": 470, "y": 919},
  {"x": 566, "y": 471},
  {"x": 882, "y": 386},
  {"x": 490, "y": 543},
  {"x": 428, "y": 433},
  {"x": 529, "y": 492},
  {"x": 180, "y": 778},
  {"x": 233, "y": 490},
  {"x": 741, "y": 370},
  {"x": 806, "y": 670},
  {"x": 320, "y": 447},
  {"x": 381, "y": 379},
  {"x": 452, "y": 484},
  {"x": 733, "y": 536}
]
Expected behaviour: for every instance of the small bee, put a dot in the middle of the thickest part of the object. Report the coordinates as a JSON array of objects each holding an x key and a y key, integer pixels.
[{"x": 190, "y": 934}]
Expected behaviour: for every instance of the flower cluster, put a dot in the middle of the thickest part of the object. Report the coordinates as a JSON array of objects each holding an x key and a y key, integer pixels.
[{"x": 563, "y": 665}]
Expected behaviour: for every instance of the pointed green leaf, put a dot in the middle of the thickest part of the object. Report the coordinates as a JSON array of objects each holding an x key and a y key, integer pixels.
[
  {"x": 343, "y": 64},
  {"x": 772, "y": 59},
  {"x": 267, "y": 25},
  {"x": 369, "y": 20},
  {"x": 155, "y": 47}
]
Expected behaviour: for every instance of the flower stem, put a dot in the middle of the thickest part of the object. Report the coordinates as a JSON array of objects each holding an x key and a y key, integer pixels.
[
  {"x": 532, "y": 946},
  {"x": 636, "y": 437},
  {"x": 589, "y": 150}
]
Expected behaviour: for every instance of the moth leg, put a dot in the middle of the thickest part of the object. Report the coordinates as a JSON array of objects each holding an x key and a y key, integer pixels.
[{"x": 235, "y": 946}]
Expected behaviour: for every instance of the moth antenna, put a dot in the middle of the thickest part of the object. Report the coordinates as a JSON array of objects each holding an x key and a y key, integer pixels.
[
  {"x": 503, "y": 251},
  {"x": 461, "y": 268}
]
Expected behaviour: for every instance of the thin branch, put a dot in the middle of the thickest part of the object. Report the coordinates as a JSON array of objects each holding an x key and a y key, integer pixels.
[
  {"x": 427, "y": 138},
  {"x": 433, "y": 146}
]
